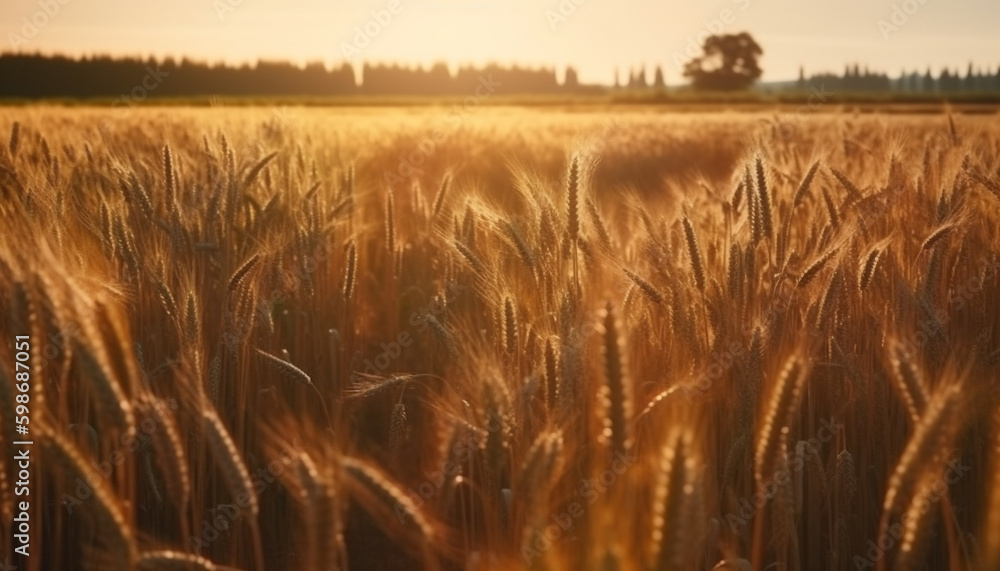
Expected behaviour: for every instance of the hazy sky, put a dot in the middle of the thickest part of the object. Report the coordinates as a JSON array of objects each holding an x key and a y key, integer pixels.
[{"x": 595, "y": 37}]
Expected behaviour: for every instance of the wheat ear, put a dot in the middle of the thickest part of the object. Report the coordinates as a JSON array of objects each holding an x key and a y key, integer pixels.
[
  {"x": 226, "y": 454},
  {"x": 383, "y": 498},
  {"x": 105, "y": 507},
  {"x": 803, "y": 188},
  {"x": 677, "y": 503},
  {"x": 15, "y": 138},
  {"x": 694, "y": 253},
  {"x": 441, "y": 195},
  {"x": 616, "y": 393},
  {"x": 241, "y": 272},
  {"x": 909, "y": 382},
  {"x": 350, "y": 269},
  {"x": 166, "y": 560},
  {"x": 782, "y": 408},
  {"x": 390, "y": 222},
  {"x": 936, "y": 236},
  {"x": 868, "y": 268},
  {"x": 810, "y": 273},
  {"x": 765, "y": 200},
  {"x": 931, "y": 436}
]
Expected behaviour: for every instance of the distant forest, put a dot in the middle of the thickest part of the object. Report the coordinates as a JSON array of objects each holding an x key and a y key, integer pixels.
[
  {"x": 34, "y": 76},
  {"x": 39, "y": 76},
  {"x": 855, "y": 79}
]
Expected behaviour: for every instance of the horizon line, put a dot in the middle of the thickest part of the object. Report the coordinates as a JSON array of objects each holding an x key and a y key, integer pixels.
[{"x": 357, "y": 66}]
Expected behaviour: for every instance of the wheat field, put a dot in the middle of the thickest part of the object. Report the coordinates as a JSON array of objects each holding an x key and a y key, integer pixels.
[{"x": 505, "y": 338}]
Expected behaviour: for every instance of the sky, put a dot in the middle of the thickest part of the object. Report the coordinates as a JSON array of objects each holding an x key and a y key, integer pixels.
[{"x": 593, "y": 36}]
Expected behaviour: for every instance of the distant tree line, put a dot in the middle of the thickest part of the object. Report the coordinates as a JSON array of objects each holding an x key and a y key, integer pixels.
[
  {"x": 438, "y": 80},
  {"x": 36, "y": 76},
  {"x": 855, "y": 79},
  {"x": 637, "y": 79},
  {"x": 32, "y": 76}
]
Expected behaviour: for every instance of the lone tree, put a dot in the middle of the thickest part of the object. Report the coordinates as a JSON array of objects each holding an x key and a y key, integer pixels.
[{"x": 728, "y": 64}]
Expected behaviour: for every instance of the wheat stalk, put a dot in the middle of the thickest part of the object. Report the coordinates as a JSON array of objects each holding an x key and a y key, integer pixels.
[
  {"x": 867, "y": 269},
  {"x": 552, "y": 392},
  {"x": 573, "y": 217},
  {"x": 645, "y": 287},
  {"x": 694, "y": 255},
  {"x": 390, "y": 222},
  {"x": 15, "y": 138},
  {"x": 930, "y": 436},
  {"x": 845, "y": 182},
  {"x": 616, "y": 394},
  {"x": 509, "y": 326},
  {"x": 831, "y": 209},
  {"x": 737, "y": 197},
  {"x": 765, "y": 200},
  {"x": 169, "y": 178},
  {"x": 936, "y": 236},
  {"x": 106, "y": 508},
  {"x": 814, "y": 268},
  {"x": 251, "y": 175},
  {"x": 991, "y": 536},
  {"x": 166, "y": 560},
  {"x": 397, "y": 428},
  {"x": 112, "y": 400},
  {"x": 350, "y": 270},
  {"x": 598, "y": 222},
  {"x": 803, "y": 188},
  {"x": 286, "y": 368},
  {"x": 226, "y": 454},
  {"x": 237, "y": 278},
  {"x": 573, "y": 200},
  {"x": 523, "y": 250},
  {"x": 909, "y": 382},
  {"x": 441, "y": 195},
  {"x": 383, "y": 498},
  {"x": 169, "y": 450},
  {"x": 470, "y": 257},
  {"x": 782, "y": 408},
  {"x": 676, "y": 502}
]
